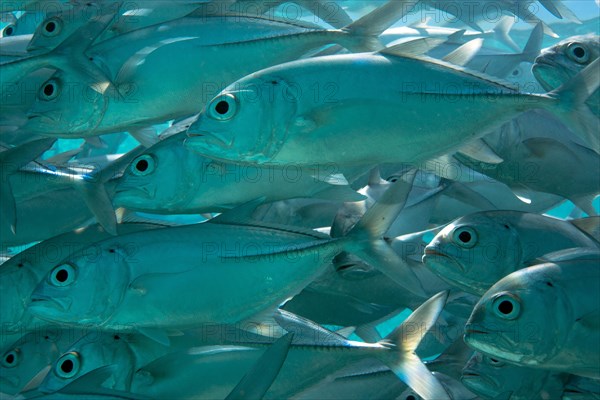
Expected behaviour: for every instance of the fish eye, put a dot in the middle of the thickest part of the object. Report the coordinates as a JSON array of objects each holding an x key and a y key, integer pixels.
[
  {"x": 50, "y": 90},
  {"x": 63, "y": 275},
  {"x": 465, "y": 237},
  {"x": 393, "y": 179},
  {"x": 506, "y": 306},
  {"x": 516, "y": 72},
  {"x": 11, "y": 359},
  {"x": 68, "y": 365},
  {"x": 494, "y": 362},
  {"x": 578, "y": 53},
  {"x": 143, "y": 165},
  {"x": 410, "y": 397},
  {"x": 8, "y": 31},
  {"x": 52, "y": 27},
  {"x": 223, "y": 107}
]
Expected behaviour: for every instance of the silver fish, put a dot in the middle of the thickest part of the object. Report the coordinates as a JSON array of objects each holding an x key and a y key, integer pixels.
[
  {"x": 508, "y": 322},
  {"x": 203, "y": 185},
  {"x": 311, "y": 130},
  {"x": 477, "y": 250},
  {"x": 490, "y": 378}
]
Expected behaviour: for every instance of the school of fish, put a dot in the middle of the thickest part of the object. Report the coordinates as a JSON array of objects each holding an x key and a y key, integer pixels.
[{"x": 307, "y": 199}]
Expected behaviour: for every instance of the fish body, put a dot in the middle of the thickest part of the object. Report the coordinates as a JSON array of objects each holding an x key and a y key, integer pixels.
[
  {"x": 507, "y": 323},
  {"x": 330, "y": 128},
  {"x": 477, "y": 250},
  {"x": 230, "y": 258},
  {"x": 137, "y": 65},
  {"x": 205, "y": 185}
]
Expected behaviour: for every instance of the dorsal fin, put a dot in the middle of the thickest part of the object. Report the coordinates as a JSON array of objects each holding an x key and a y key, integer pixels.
[
  {"x": 414, "y": 47},
  {"x": 465, "y": 53}
]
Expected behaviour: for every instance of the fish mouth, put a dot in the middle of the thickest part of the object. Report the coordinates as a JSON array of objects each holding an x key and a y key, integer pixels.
[
  {"x": 32, "y": 116},
  {"x": 41, "y": 302},
  {"x": 131, "y": 192},
  {"x": 433, "y": 253},
  {"x": 472, "y": 374},
  {"x": 214, "y": 146},
  {"x": 209, "y": 139},
  {"x": 549, "y": 74}
]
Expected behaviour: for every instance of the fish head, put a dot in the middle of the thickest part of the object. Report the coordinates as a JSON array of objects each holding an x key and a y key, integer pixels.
[
  {"x": 248, "y": 122},
  {"x": 510, "y": 321},
  {"x": 559, "y": 63},
  {"x": 69, "y": 102},
  {"x": 90, "y": 353},
  {"x": 25, "y": 359},
  {"x": 60, "y": 23},
  {"x": 474, "y": 252},
  {"x": 85, "y": 290},
  {"x": 489, "y": 376},
  {"x": 160, "y": 179}
]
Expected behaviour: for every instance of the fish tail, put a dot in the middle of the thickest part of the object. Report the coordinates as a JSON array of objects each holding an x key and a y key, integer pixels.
[
  {"x": 405, "y": 339},
  {"x": 362, "y": 34},
  {"x": 366, "y": 241},
  {"x": 11, "y": 161},
  {"x": 571, "y": 106},
  {"x": 502, "y": 30}
]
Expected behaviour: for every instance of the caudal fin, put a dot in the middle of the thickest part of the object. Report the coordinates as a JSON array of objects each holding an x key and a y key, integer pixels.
[
  {"x": 406, "y": 338},
  {"x": 502, "y": 30},
  {"x": 364, "y": 32},
  {"x": 365, "y": 239},
  {"x": 11, "y": 161}
]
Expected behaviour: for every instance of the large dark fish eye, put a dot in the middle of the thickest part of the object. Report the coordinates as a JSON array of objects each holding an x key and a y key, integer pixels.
[
  {"x": 68, "y": 365},
  {"x": 578, "y": 53},
  {"x": 143, "y": 165},
  {"x": 11, "y": 359},
  {"x": 223, "y": 107},
  {"x": 63, "y": 275},
  {"x": 8, "y": 31},
  {"x": 465, "y": 236},
  {"x": 50, "y": 90},
  {"x": 506, "y": 306},
  {"x": 52, "y": 27}
]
